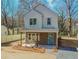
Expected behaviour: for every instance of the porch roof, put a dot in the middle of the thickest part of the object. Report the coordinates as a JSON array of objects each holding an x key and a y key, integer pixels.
[{"x": 39, "y": 30}]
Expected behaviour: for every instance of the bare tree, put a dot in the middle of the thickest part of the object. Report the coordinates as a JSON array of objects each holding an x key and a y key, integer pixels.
[
  {"x": 5, "y": 12},
  {"x": 70, "y": 13},
  {"x": 69, "y": 9},
  {"x": 8, "y": 10},
  {"x": 61, "y": 21}
]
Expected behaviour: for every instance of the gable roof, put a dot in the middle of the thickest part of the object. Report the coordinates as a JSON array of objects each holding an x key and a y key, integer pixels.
[
  {"x": 34, "y": 8},
  {"x": 47, "y": 8}
]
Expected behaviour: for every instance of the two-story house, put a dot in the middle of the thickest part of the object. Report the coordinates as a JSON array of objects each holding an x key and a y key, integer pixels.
[{"x": 41, "y": 24}]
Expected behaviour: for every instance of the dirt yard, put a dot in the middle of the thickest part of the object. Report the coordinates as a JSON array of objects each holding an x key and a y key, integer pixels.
[{"x": 9, "y": 53}]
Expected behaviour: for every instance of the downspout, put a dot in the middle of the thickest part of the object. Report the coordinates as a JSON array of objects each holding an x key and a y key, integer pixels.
[{"x": 42, "y": 21}]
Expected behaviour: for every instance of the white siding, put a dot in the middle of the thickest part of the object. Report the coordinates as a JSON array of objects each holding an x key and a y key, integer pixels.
[
  {"x": 33, "y": 14},
  {"x": 48, "y": 14}
]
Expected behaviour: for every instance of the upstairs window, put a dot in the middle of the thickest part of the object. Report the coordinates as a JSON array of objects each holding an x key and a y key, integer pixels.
[
  {"x": 33, "y": 21},
  {"x": 49, "y": 21}
]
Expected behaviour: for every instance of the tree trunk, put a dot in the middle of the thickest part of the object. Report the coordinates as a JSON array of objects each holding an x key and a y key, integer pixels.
[
  {"x": 21, "y": 39},
  {"x": 6, "y": 24},
  {"x": 8, "y": 31},
  {"x": 17, "y": 30},
  {"x": 70, "y": 28},
  {"x": 13, "y": 31},
  {"x": 12, "y": 25}
]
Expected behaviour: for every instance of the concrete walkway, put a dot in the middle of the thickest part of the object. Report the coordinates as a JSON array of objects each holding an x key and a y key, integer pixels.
[{"x": 63, "y": 54}]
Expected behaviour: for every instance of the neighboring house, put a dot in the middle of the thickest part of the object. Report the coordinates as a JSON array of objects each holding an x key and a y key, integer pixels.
[
  {"x": 3, "y": 30},
  {"x": 41, "y": 23}
]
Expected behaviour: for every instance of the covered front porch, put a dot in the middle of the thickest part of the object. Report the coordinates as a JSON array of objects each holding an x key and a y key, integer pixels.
[{"x": 41, "y": 38}]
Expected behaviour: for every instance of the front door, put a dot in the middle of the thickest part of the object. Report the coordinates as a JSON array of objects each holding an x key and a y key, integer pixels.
[{"x": 51, "y": 39}]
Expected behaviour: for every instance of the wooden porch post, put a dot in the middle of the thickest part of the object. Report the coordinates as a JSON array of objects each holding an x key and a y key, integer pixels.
[
  {"x": 37, "y": 40},
  {"x": 26, "y": 36},
  {"x": 38, "y": 36},
  {"x": 56, "y": 39}
]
